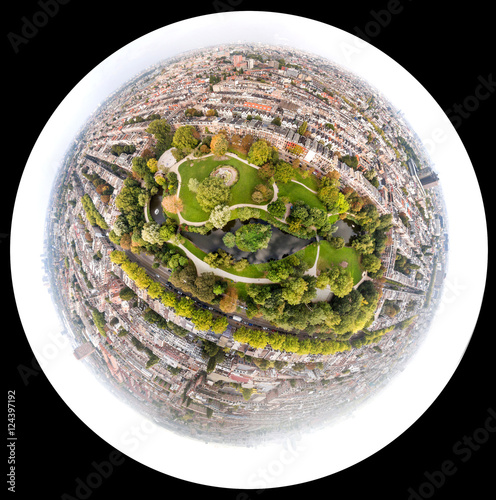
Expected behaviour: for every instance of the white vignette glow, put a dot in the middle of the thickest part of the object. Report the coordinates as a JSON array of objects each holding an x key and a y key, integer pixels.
[{"x": 317, "y": 454}]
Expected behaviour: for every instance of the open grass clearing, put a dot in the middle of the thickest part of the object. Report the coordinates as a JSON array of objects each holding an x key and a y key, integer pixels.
[
  {"x": 311, "y": 181},
  {"x": 200, "y": 169},
  {"x": 297, "y": 192},
  {"x": 330, "y": 256}
]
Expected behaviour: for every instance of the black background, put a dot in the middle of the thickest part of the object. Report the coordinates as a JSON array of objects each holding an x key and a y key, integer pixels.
[{"x": 444, "y": 49}]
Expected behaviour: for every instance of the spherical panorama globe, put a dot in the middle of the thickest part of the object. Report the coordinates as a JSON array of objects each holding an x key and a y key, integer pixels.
[{"x": 246, "y": 239}]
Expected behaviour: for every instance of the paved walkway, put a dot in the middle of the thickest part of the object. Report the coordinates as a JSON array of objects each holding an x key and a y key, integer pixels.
[
  {"x": 166, "y": 161},
  {"x": 306, "y": 187},
  {"x": 323, "y": 294},
  {"x": 365, "y": 277},
  {"x": 313, "y": 270},
  {"x": 175, "y": 168},
  {"x": 202, "y": 267}
]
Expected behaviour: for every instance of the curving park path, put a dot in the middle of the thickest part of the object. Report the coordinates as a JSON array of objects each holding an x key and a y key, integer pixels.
[
  {"x": 202, "y": 266},
  {"x": 313, "y": 270},
  {"x": 175, "y": 168}
]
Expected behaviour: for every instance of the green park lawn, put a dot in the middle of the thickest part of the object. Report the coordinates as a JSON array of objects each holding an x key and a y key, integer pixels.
[
  {"x": 307, "y": 254},
  {"x": 297, "y": 192},
  {"x": 201, "y": 169},
  {"x": 333, "y": 218},
  {"x": 330, "y": 256},
  {"x": 311, "y": 181},
  {"x": 197, "y": 252}
]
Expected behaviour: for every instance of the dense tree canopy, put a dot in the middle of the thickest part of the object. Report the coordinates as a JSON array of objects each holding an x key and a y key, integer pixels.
[
  {"x": 212, "y": 192},
  {"x": 220, "y": 216},
  {"x": 277, "y": 208},
  {"x": 185, "y": 138},
  {"x": 219, "y": 144},
  {"x": 151, "y": 233},
  {"x": 253, "y": 237},
  {"x": 260, "y": 152}
]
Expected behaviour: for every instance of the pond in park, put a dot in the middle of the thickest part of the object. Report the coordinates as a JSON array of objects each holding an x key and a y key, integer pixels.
[
  {"x": 280, "y": 245},
  {"x": 156, "y": 208},
  {"x": 346, "y": 229}
]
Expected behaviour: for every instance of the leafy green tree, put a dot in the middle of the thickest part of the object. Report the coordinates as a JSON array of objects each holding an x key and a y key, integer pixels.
[
  {"x": 152, "y": 165},
  {"x": 284, "y": 172},
  {"x": 240, "y": 265},
  {"x": 281, "y": 270},
  {"x": 126, "y": 293},
  {"x": 118, "y": 257},
  {"x": 219, "y": 325},
  {"x": 351, "y": 161},
  {"x": 363, "y": 244},
  {"x": 92, "y": 214},
  {"x": 368, "y": 218},
  {"x": 212, "y": 192},
  {"x": 142, "y": 279},
  {"x": 99, "y": 320},
  {"x": 184, "y": 278},
  {"x": 204, "y": 287},
  {"x": 303, "y": 128},
  {"x": 127, "y": 200},
  {"x": 121, "y": 225},
  {"x": 371, "y": 263},
  {"x": 155, "y": 290},
  {"x": 252, "y": 237},
  {"x": 340, "y": 281},
  {"x": 185, "y": 307},
  {"x": 193, "y": 184},
  {"x": 151, "y": 233},
  {"x": 184, "y": 138},
  {"x": 169, "y": 299},
  {"x": 246, "y": 213},
  {"x": 229, "y": 240},
  {"x": 329, "y": 196},
  {"x": 259, "y": 293},
  {"x": 260, "y": 152},
  {"x": 276, "y": 340},
  {"x": 337, "y": 242},
  {"x": 139, "y": 167},
  {"x": 161, "y": 130},
  {"x": 220, "y": 216},
  {"x": 291, "y": 344},
  {"x": 168, "y": 229},
  {"x": 219, "y": 144},
  {"x": 277, "y": 208},
  {"x": 220, "y": 287},
  {"x": 293, "y": 290},
  {"x": 202, "y": 319}
]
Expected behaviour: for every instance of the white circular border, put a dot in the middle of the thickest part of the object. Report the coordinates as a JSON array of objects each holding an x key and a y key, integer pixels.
[{"x": 317, "y": 454}]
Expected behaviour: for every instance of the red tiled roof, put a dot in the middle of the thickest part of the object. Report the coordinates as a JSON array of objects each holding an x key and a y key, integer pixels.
[{"x": 238, "y": 378}]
